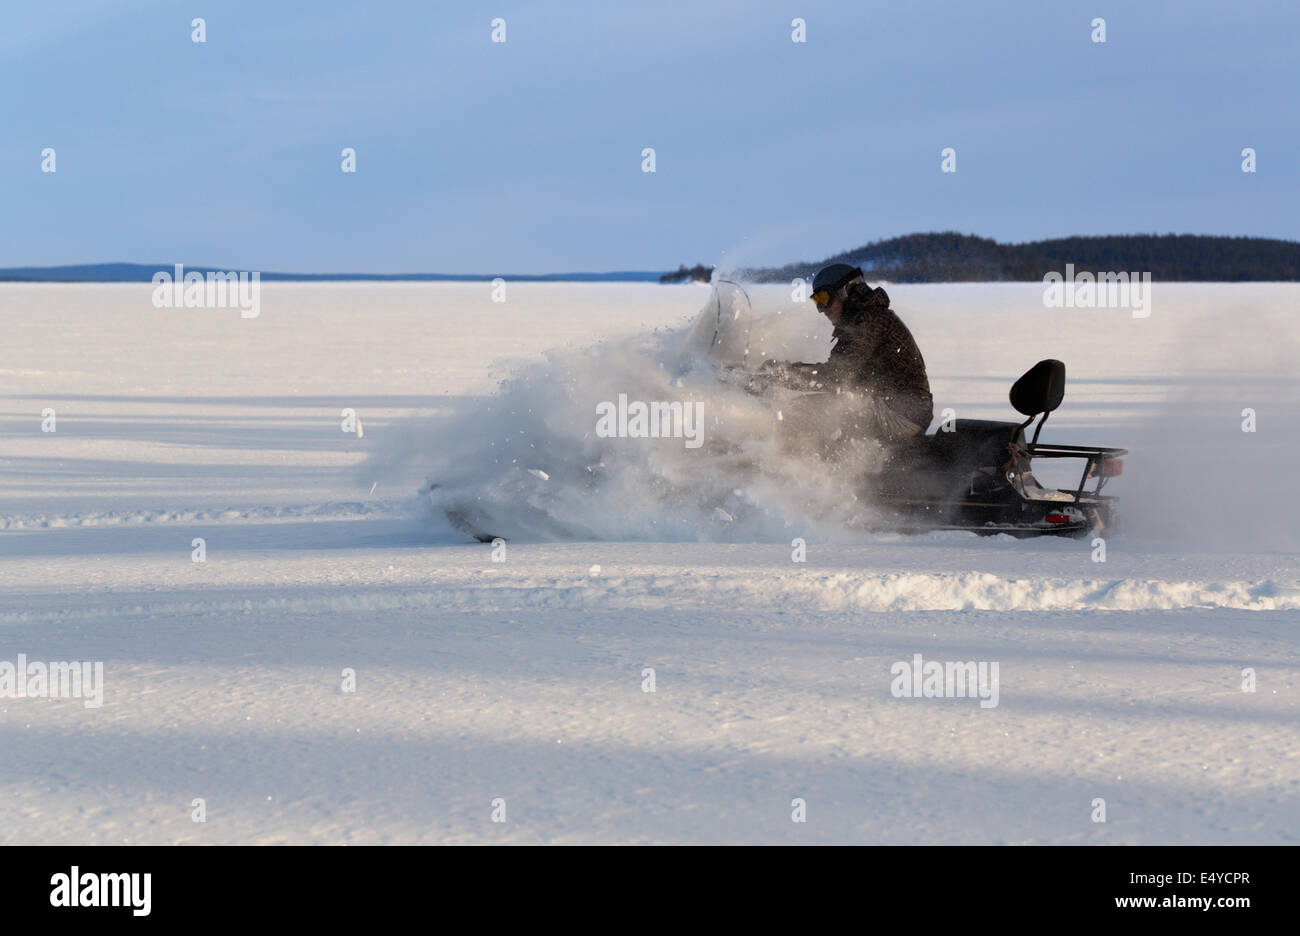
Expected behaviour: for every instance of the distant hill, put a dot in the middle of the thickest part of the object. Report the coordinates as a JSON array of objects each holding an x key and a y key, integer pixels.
[
  {"x": 143, "y": 273},
  {"x": 946, "y": 257},
  {"x": 952, "y": 258}
]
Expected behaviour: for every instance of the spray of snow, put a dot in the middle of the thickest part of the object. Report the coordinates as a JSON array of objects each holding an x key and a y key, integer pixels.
[
  {"x": 528, "y": 461},
  {"x": 1212, "y": 468}
]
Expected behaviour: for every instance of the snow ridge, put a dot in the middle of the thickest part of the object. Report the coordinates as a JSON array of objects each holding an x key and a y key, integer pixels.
[{"x": 494, "y": 591}]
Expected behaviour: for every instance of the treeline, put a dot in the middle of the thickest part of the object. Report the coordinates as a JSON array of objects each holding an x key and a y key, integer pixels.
[
  {"x": 684, "y": 274},
  {"x": 954, "y": 258}
]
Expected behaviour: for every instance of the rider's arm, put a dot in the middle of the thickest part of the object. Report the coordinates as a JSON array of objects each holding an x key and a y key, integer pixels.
[{"x": 794, "y": 374}]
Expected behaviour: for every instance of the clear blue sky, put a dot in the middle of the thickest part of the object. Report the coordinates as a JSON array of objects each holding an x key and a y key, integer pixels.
[{"x": 525, "y": 157}]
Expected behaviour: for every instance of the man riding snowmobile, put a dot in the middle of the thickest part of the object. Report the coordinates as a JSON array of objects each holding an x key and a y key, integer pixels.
[
  {"x": 874, "y": 358},
  {"x": 860, "y": 415}
]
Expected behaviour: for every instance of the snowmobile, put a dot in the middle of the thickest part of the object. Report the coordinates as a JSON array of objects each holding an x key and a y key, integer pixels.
[{"x": 970, "y": 474}]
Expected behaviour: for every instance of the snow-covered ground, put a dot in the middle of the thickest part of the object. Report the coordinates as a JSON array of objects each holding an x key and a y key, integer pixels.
[{"x": 524, "y": 679}]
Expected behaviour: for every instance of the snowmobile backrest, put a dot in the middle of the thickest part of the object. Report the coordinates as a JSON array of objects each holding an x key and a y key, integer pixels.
[{"x": 1040, "y": 389}]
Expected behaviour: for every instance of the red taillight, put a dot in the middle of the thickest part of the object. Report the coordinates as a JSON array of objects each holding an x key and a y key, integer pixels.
[
  {"x": 1112, "y": 467},
  {"x": 1057, "y": 518}
]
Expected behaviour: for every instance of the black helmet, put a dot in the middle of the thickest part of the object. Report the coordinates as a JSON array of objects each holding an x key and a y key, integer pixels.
[{"x": 831, "y": 280}]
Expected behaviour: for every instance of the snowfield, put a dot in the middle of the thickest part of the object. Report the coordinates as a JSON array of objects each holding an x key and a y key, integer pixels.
[{"x": 516, "y": 689}]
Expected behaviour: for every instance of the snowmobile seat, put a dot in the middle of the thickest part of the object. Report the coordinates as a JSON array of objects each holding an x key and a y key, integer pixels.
[
  {"x": 978, "y": 443},
  {"x": 972, "y": 443},
  {"x": 940, "y": 467}
]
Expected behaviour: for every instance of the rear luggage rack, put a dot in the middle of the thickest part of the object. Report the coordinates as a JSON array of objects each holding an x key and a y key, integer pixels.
[{"x": 1094, "y": 456}]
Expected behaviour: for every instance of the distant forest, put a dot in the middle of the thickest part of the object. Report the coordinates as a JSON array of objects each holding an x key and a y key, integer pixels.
[
  {"x": 684, "y": 274},
  {"x": 957, "y": 258}
]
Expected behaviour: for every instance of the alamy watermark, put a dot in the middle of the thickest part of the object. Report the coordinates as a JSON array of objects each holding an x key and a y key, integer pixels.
[
  {"x": 80, "y": 888},
  {"x": 654, "y": 420},
  {"x": 1085, "y": 290},
  {"x": 59, "y": 680},
  {"x": 931, "y": 679},
  {"x": 216, "y": 290}
]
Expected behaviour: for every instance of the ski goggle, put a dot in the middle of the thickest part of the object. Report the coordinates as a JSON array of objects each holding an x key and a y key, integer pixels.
[{"x": 824, "y": 297}]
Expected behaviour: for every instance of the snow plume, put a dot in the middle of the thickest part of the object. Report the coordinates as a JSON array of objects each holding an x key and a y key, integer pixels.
[
  {"x": 1213, "y": 468},
  {"x": 1200, "y": 478},
  {"x": 538, "y": 460}
]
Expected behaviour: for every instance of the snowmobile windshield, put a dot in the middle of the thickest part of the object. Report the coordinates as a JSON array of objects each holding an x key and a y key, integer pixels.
[
  {"x": 722, "y": 329},
  {"x": 744, "y": 324}
]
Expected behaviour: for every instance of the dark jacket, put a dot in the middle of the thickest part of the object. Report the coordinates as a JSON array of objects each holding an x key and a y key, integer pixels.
[{"x": 874, "y": 354}]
